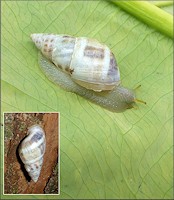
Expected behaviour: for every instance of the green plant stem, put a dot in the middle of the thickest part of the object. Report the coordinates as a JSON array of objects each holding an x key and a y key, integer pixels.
[
  {"x": 163, "y": 3},
  {"x": 149, "y": 14}
]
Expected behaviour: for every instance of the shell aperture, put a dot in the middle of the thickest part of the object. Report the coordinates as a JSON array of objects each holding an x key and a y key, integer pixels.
[{"x": 31, "y": 151}]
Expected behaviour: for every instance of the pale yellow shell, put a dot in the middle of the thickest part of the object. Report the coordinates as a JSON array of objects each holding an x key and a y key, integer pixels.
[{"x": 88, "y": 62}]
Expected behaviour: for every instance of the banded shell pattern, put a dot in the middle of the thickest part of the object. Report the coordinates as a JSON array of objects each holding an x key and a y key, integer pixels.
[
  {"x": 31, "y": 151},
  {"x": 88, "y": 62}
]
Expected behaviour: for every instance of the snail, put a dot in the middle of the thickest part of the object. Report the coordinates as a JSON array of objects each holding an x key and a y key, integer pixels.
[
  {"x": 31, "y": 151},
  {"x": 86, "y": 67}
]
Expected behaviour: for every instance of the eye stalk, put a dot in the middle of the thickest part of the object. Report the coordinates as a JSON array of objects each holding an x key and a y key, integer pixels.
[{"x": 139, "y": 100}]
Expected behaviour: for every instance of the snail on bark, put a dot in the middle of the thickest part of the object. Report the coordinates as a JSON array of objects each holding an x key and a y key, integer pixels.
[
  {"x": 86, "y": 67},
  {"x": 31, "y": 151}
]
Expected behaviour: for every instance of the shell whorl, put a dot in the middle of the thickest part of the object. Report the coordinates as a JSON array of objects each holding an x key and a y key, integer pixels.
[
  {"x": 88, "y": 62},
  {"x": 31, "y": 151}
]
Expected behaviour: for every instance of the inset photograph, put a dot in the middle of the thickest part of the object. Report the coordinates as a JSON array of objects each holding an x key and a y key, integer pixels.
[{"x": 31, "y": 153}]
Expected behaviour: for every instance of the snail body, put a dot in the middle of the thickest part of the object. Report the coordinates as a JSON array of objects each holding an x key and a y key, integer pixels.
[
  {"x": 31, "y": 151},
  {"x": 86, "y": 67}
]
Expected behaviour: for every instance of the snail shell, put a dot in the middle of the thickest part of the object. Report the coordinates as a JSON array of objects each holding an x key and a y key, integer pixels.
[
  {"x": 88, "y": 62},
  {"x": 31, "y": 151}
]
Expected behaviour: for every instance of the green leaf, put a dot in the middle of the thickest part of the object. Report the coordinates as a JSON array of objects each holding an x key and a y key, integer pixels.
[{"x": 102, "y": 154}]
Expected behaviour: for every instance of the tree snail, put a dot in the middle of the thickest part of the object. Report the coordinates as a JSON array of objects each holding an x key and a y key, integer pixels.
[
  {"x": 86, "y": 67},
  {"x": 31, "y": 151}
]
